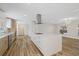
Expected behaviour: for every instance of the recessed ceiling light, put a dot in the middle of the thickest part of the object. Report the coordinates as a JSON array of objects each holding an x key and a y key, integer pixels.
[{"x": 25, "y": 15}]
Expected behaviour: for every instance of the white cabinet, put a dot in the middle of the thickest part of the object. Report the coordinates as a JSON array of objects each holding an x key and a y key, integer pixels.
[{"x": 48, "y": 44}]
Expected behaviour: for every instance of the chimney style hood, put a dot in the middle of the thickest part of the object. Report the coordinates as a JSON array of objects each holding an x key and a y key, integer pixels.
[{"x": 38, "y": 16}]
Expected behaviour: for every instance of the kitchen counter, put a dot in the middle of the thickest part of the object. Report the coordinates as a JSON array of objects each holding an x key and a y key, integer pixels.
[
  {"x": 71, "y": 36},
  {"x": 2, "y": 35}
]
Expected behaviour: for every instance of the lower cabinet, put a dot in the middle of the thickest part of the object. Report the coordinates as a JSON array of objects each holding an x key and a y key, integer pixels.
[
  {"x": 11, "y": 39},
  {"x": 3, "y": 45},
  {"x": 6, "y": 42},
  {"x": 0, "y": 47}
]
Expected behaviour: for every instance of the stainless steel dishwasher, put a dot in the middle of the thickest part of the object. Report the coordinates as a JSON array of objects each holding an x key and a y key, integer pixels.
[{"x": 9, "y": 41}]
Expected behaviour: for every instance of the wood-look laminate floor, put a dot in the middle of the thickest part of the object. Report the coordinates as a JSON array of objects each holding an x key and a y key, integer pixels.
[
  {"x": 70, "y": 47},
  {"x": 23, "y": 47}
]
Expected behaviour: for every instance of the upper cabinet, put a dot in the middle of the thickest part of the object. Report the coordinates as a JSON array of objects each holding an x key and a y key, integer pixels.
[
  {"x": 7, "y": 24},
  {"x": 11, "y": 24}
]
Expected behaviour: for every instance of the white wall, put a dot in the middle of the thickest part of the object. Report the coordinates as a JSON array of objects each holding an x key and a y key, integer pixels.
[
  {"x": 45, "y": 28},
  {"x": 73, "y": 28},
  {"x": 2, "y": 15},
  {"x": 3, "y": 21},
  {"x": 2, "y": 18}
]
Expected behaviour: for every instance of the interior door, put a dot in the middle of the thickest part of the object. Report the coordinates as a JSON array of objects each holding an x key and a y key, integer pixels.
[{"x": 21, "y": 29}]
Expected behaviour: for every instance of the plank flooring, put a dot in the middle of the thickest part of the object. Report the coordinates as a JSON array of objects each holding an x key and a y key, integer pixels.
[
  {"x": 23, "y": 47},
  {"x": 70, "y": 47}
]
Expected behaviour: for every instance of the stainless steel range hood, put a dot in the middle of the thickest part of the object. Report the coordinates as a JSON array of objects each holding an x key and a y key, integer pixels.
[{"x": 38, "y": 16}]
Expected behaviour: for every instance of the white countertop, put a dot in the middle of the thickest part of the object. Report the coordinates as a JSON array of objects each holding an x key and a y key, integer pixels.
[
  {"x": 71, "y": 36},
  {"x": 2, "y": 35}
]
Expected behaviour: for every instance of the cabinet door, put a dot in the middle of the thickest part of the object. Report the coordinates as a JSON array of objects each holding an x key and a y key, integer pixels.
[
  {"x": 4, "y": 45},
  {"x": 0, "y": 47},
  {"x": 21, "y": 29}
]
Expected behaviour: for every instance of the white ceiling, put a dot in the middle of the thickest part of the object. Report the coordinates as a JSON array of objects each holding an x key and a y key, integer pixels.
[{"x": 51, "y": 12}]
